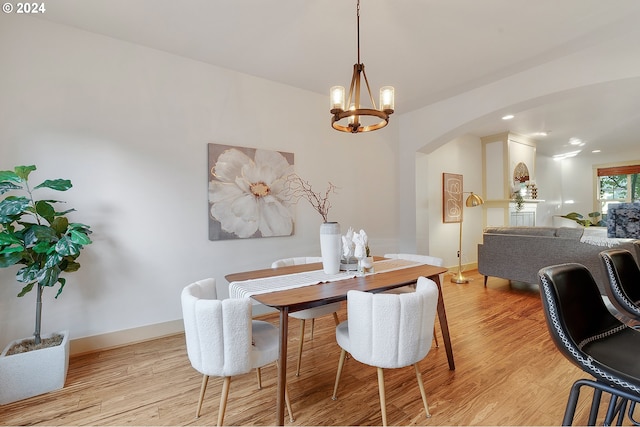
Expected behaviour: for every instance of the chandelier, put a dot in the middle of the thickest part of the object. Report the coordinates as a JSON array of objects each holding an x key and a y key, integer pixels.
[{"x": 356, "y": 119}]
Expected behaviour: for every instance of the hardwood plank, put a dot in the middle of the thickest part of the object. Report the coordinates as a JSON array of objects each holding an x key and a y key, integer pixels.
[{"x": 508, "y": 372}]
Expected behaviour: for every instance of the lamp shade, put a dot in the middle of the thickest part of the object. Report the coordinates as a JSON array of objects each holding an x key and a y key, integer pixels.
[{"x": 474, "y": 200}]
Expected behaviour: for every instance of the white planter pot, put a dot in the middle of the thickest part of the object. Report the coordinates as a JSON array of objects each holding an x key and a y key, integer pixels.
[
  {"x": 330, "y": 247},
  {"x": 35, "y": 372}
]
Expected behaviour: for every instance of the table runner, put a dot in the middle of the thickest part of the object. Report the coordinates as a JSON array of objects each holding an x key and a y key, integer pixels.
[{"x": 246, "y": 288}]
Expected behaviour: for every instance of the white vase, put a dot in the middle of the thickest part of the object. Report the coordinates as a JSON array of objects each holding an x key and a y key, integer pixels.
[
  {"x": 330, "y": 247},
  {"x": 35, "y": 372}
]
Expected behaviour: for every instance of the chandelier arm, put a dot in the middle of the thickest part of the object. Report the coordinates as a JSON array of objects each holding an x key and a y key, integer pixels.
[
  {"x": 357, "y": 99},
  {"x": 355, "y": 77},
  {"x": 366, "y": 81}
]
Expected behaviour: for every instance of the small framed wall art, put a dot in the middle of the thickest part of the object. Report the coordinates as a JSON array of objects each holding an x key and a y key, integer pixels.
[{"x": 451, "y": 197}]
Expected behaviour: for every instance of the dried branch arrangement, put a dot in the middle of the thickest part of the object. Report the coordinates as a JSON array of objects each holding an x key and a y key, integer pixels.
[{"x": 300, "y": 188}]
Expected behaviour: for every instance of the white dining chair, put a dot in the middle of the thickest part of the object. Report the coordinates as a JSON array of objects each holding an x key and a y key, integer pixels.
[
  {"x": 389, "y": 331},
  {"x": 222, "y": 339},
  {"x": 310, "y": 313},
  {"x": 425, "y": 259}
]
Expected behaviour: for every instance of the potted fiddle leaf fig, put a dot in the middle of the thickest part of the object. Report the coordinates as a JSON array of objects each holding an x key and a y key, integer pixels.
[{"x": 40, "y": 239}]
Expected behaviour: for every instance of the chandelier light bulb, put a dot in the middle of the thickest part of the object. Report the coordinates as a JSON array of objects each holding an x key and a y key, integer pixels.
[
  {"x": 337, "y": 98},
  {"x": 387, "y": 98}
]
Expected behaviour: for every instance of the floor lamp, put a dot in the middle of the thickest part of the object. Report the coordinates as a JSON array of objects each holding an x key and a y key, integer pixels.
[{"x": 472, "y": 201}]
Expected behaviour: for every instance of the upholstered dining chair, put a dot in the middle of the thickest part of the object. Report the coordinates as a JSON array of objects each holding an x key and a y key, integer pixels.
[
  {"x": 222, "y": 339},
  {"x": 310, "y": 313},
  {"x": 425, "y": 259},
  {"x": 389, "y": 331},
  {"x": 593, "y": 339},
  {"x": 624, "y": 282}
]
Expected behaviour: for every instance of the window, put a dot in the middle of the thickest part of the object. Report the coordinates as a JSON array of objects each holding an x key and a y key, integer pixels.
[{"x": 618, "y": 184}]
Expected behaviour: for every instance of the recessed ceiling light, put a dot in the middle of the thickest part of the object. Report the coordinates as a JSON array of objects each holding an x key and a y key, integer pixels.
[
  {"x": 508, "y": 117},
  {"x": 596, "y": 151},
  {"x": 541, "y": 133},
  {"x": 566, "y": 155}
]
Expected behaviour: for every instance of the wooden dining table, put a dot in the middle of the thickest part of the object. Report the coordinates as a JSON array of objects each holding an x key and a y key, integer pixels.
[{"x": 300, "y": 298}]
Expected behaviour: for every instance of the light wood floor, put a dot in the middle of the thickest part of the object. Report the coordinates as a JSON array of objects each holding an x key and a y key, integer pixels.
[{"x": 508, "y": 372}]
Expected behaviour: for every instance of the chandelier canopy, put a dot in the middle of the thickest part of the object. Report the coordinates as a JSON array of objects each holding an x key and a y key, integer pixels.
[{"x": 356, "y": 119}]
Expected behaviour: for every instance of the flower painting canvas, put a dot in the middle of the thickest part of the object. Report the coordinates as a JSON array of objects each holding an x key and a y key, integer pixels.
[{"x": 248, "y": 193}]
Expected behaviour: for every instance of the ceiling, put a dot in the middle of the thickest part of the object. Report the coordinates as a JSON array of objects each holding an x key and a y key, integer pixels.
[{"x": 428, "y": 50}]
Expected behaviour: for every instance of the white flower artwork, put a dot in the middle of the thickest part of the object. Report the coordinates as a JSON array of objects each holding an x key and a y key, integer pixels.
[{"x": 248, "y": 195}]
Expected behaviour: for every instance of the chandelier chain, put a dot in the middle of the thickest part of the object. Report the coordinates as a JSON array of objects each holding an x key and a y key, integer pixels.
[{"x": 358, "y": 28}]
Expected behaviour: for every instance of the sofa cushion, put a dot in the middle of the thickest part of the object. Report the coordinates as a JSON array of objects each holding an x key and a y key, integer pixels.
[
  {"x": 523, "y": 231},
  {"x": 569, "y": 232}
]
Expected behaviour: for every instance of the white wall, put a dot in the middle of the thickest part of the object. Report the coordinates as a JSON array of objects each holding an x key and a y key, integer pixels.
[
  {"x": 460, "y": 156},
  {"x": 130, "y": 126},
  {"x": 549, "y": 182}
]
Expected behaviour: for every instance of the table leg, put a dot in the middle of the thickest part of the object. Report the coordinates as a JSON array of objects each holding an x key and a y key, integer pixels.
[
  {"x": 444, "y": 325},
  {"x": 282, "y": 365}
]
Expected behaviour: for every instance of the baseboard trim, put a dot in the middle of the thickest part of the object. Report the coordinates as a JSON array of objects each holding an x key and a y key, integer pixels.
[
  {"x": 465, "y": 267},
  {"x": 95, "y": 343}
]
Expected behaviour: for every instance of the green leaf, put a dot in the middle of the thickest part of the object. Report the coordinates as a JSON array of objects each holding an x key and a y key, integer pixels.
[
  {"x": 45, "y": 210},
  {"x": 79, "y": 225},
  {"x": 11, "y": 249},
  {"x": 64, "y": 212},
  {"x": 24, "y": 171},
  {"x": 28, "y": 274},
  {"x": 11, "y": 207},
  {"x": 39, "y": 233},
  {"x": 71, "y": 266},
  {"x": 26, "y": 289},
  {"x": 9, "y": 176},
  {"x": 573, "y": 215},
  {"x": 55, "y": 184},
  {"x": 60, "y": 225},
  {"x": 7, "y": 238},
  {"x": 66, "y": 247},
  {"x": 79, "y": 237},
  {"x": 9, "y": 259},
  {"x": 49, "y": 276},
  {"x": 8, "y": 186},
  {"x": 42, "y": 247},
  {"x": 62, "y": 282},
  {"x": 53, "y": 260}
]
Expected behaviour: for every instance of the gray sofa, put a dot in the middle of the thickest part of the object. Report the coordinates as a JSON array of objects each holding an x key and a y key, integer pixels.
[{"x": 518, "y": 253}]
